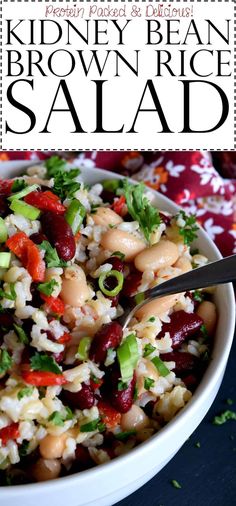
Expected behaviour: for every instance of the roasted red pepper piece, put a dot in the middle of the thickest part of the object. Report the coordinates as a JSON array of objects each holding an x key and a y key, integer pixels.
[
  {"x": 55, "y": 304},
  {"x": 118, "y": 205},
  {"x": 9, "y": 432},
  {"x": 96, "y": 384},
  {"x": 110, "y": 416},
  {"x": 43, "y": 378},
  {"x": 45, "y": 201},
  {"x": 64, "y": 339},
  {"x": 28, "y": 253}
]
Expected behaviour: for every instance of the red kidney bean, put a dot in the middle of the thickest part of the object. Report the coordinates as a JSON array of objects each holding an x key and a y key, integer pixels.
[
  {"x": 165, "y": 219},
  {"x": 84, "y": 399},
  {"x": 109, "y": 336},
  {"x": 181, "y": 327},
  {"x": 117, "y": 263},
  {"x": 38, "y": 238},
  {"x": 59, "y": 234},
  {"x": 190, "y": 381},
  {"x": 107, "y": 196},
  {"x": 6, "y": 320},
  {"x": 183, "y": 361},
  {"x": 121, "y": 400},
  {"x": 82, "y": 459},
  {"x": 131, "y": 284}
]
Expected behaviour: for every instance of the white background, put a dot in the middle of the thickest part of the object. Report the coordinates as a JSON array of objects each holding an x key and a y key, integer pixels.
[{"x": 122, "y": 94}]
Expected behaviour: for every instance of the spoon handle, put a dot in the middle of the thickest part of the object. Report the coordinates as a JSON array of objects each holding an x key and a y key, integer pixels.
[{"x": 215, "y": 273}]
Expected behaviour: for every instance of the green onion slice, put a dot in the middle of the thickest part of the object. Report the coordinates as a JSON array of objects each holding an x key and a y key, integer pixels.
[
  {"x": 159, "y": 364},
  {"x": 115, "y": 274},
  {"x": 83, "y": 348},
  {"x": 5, "y": 259},
  {"x": 23, "y": 193},
  {"x": 20, "y": 207},
  {"x": 3, "y": 231},
  {"x": 128, "y": 356},
  {"x": 75, "y": 214}
]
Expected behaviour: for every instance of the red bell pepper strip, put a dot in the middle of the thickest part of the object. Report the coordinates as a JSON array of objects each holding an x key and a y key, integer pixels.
[
  {"x": 64, "y": 339},
  {"x": 43, "y": 378},
  {"x": 55, "y": 304},
  {"x": 118, "y": 205},
  {"x": 29, "y": 254},
  {"x": 9, "y": 432},
  {"x": 45, "y": 201},
  {"x": 109, "y": 415}
]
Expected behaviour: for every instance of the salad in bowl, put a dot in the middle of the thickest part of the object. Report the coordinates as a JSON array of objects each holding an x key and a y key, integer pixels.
[{"x": 75, "y": 389}]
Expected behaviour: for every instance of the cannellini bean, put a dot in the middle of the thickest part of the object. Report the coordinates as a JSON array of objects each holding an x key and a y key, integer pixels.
[
  {"x": 45, "y": 470},
  {"x": 184, "y": 264},
  {"x": 162, "y": 254},
  {"x": 207, "y": 311},
  {"x": 52, "y": 447},
  {"x": 135, "y": 418},
  {"x": 126, "y": 243},
  {"x": 106, "y": 216},
  {"x": 157, "y": 306},
  {"x": 74, "y": 290}
]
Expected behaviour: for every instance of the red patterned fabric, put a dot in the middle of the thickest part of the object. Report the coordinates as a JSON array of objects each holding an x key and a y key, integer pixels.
[{"x": 194, "y": 180}]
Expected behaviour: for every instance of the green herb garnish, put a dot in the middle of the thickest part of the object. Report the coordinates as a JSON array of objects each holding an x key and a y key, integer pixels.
[
  {"x": 148, "y": 383},
  {"x": 152, "y": 319},
  {"x": 92, "y": 426},
  {"x": 122, "y": 386},
  {"x": 18, "y": 185},
  {"x": 198, "y": 296},
  {"x": 229, "y": 401},
  {"x": 51, "y": 256},
  {"x": 43, "y": 362},
  {"x": 65, "y": 185},
  {"x": 188, "y": 232},
  {"x": 25, "y": 392},
  {"x": 175, "y": 484},
  {"x": 23, "y": 449},
  {"x": 140, "y": 208},
  {"x": 5, "y": 361},
  {"x": 161, "y": 367},
  {"x": 122, "y": 436},
  {"x": 23, "y": 338},
  {"x": 224, "y": 417},
  {"x": 117, "y": 254},
  {"x": 48, "y": 287},
  {"x": 204, "y": 332},
  {"x": 197, "y": 445},
  {"x": 148, "y": 349},
  {"x": 6, "y": 295}
]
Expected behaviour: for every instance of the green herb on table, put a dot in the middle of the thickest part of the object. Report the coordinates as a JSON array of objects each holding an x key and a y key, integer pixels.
[
  {"x": 229, "y": 402},
  {"x": 224, "y": 417},
  {"x": 197, "y": 445},
  {"x": 175, "y": 484}
]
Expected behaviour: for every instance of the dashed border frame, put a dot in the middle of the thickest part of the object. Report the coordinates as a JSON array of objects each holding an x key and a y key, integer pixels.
[{"x": 118, "y": 149}]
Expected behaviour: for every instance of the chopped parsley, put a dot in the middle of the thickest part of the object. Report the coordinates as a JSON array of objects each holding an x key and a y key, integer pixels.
[
  {"x": 122, "y": 436},
  {"x": 148, "y": 383},
  {"x": 48, "y": 287},
  {"x": 5, "y": 361},
  {"x": 122, "y": 385},
  {"x": 92, "y": 426},
  {"x": 25, "y": 392},
  {"x": 65, "y": 184},
  {"x": 188, "y": 232},
  {"x": 204, "y": 332},
  {"x": 197, "y": 445},
  {"x": 18, "y": 185},
  {"x": 51, "y": 256},
  {"x": 198, "y": 296},
  {"x": 6, "y": 295},
  {"x": 175, "y": 484},
  {"x": 23, "y": 338},
  {"x": 58, "y": 418},
  {"x": 140, "y": 208},
  {"x": 148, "y": 349},
  {"x": 224, "y": 417},
  {"x": 229, "y": 402},
  {"x": 152, "y": 319},
  {"x": 43, "y": 362}
]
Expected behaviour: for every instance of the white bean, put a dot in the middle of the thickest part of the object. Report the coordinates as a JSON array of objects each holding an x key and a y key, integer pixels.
[
  {"x": 207, "y": 311},
  {"x": 44, "y": 470},
  {"x": 157, "y": 306},
  {"x": 135, "y": 418},
  {"x": 106, "y": 216},
  {"x": 126, "y": 243},
  {"x": 184, "y": 264},
  {"x": 74, "y": 290},
  {"x": 162, "y": 254},
  {"x": 52, "y": 447}
]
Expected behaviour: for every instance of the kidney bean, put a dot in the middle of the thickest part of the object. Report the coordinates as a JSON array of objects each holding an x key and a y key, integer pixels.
[
  {"x": 6, "y": 320},
  {"x": 121, "y": 400},
  {"x": 190, "y": 381},
  {"x": 183, "y": 361},
  {"x": 109, "y": 336},
  {"x": 117, "y": 263},
  {"x": 181, "y": 327},
  {"x": 131, "y": 283},
  {"x": 107, "y": 196},
  {"x": 59, "y": 234},
  {"x": 165, "y": 219},
  {"x": 59, "y": 357},
  {"x": 38, "y": 238},
  {"x": 82, "y": 459},
  {"x": 84, "y": 399},
  {"x": 4, "y": 208}
]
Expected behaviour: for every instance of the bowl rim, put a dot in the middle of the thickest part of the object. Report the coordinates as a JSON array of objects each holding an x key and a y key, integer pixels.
[{"x": 211, "y": 376}]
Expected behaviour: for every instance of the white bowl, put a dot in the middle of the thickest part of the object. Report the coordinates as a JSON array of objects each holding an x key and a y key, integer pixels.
[{"x": 111, "y": 482}]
